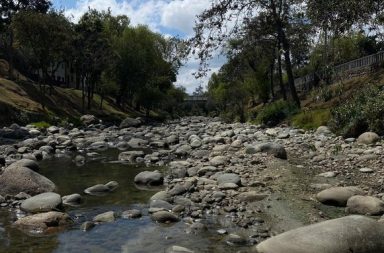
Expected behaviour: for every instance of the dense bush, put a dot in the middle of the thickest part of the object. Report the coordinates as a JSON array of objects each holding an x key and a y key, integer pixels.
[
  {"x": 361, "y": 113},
  {"x": 274, "y": 113},
  {"x": 311, "y": 119}
]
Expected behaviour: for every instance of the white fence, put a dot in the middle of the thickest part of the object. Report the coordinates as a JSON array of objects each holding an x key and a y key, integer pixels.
[{"x": 343, "y": 71}]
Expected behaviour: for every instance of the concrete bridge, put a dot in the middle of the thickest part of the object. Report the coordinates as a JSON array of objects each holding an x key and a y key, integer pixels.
[{"x": 196, "y": 99}]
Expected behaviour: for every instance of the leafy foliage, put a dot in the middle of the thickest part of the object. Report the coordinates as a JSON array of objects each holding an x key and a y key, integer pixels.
[
  {"x": 363, "y": 112},
  {"x": 274, "y": 113},
  {"x": 311, "y": 119}
]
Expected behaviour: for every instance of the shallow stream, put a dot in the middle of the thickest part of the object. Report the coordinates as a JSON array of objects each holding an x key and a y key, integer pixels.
[{"x": 123, "y": 235}]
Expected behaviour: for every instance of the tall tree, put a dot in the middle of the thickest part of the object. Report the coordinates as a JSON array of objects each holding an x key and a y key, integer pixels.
[
  {"x": 228, "y": 18},
  {"x": 8, "y": 8},
  {"x": 46, "y": 38}
]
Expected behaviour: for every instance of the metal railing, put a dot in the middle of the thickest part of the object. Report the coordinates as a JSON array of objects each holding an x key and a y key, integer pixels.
[
  {"x": 344, "y": 70},
  {"x": 195, "y": 98}
]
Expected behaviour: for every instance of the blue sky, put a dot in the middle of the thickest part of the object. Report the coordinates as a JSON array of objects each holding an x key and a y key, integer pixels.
[{"x": 169, "y": 17}]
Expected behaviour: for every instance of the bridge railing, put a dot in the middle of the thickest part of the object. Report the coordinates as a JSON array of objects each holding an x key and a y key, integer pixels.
[{"x": 343, "y": 70}]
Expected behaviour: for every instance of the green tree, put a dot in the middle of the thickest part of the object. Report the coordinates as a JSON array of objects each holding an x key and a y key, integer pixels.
[
  {"x": 215, "y": 26},
  {"x": 45, "y": 38},
  {"x": 8, "y": 8}
]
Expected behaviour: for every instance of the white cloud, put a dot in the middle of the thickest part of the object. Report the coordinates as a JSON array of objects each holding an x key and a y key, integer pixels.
[
  {"x": 181, "y": 14},
  {"x": 169, "y": 17}
]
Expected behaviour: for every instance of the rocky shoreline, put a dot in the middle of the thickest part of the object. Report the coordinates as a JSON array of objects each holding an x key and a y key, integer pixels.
[{"x": 261, "y": 181}]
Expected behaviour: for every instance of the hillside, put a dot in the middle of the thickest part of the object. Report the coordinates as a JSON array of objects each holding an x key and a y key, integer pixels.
[
  {"x": 23, "y": 102},
  {"x": 318, "y": 103}
]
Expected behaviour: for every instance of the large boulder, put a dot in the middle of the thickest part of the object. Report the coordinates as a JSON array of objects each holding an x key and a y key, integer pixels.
[
  {"x": 275, "y": 149},
  {"x": 338, "y": 196},
  {"x": 44, "y": 222},
  {"x": 16, "y": 178},
  {"x": 151, "y": 178},
  {"x": 365, "y": 205},
  {"x": 130, "y": 122},
  {"x": 344, "y": 235},
  {"x": 44, "y": 202},
  {"x": 14, "y": 132},
  {"x": 229, "y": 178},
  {"x": 368, "y": 138},
  {"x": 28, "y": 163},
  {"x": 101, "y": 189},
  {"x": 105, "y": 217},
  {"x": 164, "y": 217},
  {"x": 72, "y": 200},
  {"x": 323, "y": 130},
  {"x": 218, "y": 161},
  {"x": 89, "y": 119}
]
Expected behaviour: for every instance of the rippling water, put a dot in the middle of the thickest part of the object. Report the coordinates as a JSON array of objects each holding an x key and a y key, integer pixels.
[{"x": 128, "y": 236}]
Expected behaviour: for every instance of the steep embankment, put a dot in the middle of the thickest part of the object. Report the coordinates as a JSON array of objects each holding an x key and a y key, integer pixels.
[
  {"x": 23, "y": 102},
  {"x": 318, "y": 102}
]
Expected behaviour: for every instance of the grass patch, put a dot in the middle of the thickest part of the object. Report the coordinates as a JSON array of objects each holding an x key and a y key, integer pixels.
[
  {"x": 311, "y": 119},
  {"x": 41, "y": 124}
]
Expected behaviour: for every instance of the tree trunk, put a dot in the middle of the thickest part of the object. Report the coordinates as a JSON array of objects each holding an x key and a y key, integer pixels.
[
  {"x": 288, "y": 66},
  {"x": 10, "y": 51},
  {"x": 82, "y": 95},
  {"x": 280, "y": 70},
  {"x": 101, "y": 102},
  {"x": 89, "y": 95},
  {"x": 272, "y": 83},
  {"x": 282, "y": 38}
]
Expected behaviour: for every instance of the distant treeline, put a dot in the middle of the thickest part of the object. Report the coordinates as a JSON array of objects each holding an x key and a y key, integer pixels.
[{"x": 101, "y": 53}]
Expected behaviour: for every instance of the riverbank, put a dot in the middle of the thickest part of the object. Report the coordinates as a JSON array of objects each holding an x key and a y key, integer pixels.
[{"x": 254, "y": 182}]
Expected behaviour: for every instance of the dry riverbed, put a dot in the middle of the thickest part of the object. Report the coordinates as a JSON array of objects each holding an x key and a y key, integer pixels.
[{"x": 254, "y": 182}]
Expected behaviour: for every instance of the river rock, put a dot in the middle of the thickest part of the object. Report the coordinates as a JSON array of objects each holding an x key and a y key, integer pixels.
[
  {"x": 44, "y": 222},
  {"x": 28, "y": 163},
  {"x": 275, "y": 149},
  {"x": 178, "y": 249},
  {"x": 323, "y": 130},
  {"x": 164, "y": 217},
  {"x": 178, "y": 189},
  {"x": 98, "y": 189},
  {"x": 112, "y": 185},
  {"x": 161, "y": 204},
  {"x": 89, "y": 119},
  {"x": 105, "y": 217},
  {"x": 72, "y": 200},
  {"x": 88, "y": 225},
  {"x": 130, "y": 155},
  {"x": 365, "y": 205},
  {"x": 229, "y": 178},
  {"x": 99, "y": 146},
  {"x": 183, "y": 150},
  {"x": 130, "y": 122},
  {"x": 368, "y": 138},
  {"x": 16, "y": 178},
  {"x": 131, "y": 214},
  {"x": 151, "y": 178},
  {"x": 338, "y": 196},
  {"x": 218, "y": 161},
  {"x": 161, "y": 195},
  {"x": 251, "y": 196},
  {"x": 137, "y": 143},
  {"x": 44, "y": 202},
  {"x": 344, "y": 235},
  {"x": 235, "y": 240}
]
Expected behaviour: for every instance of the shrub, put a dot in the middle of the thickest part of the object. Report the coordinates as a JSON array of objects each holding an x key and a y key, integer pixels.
[
  {"x": 274, "y": 113},
  {"x": 311, "y": 119},
  {"x": 363, "y": 112}
]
